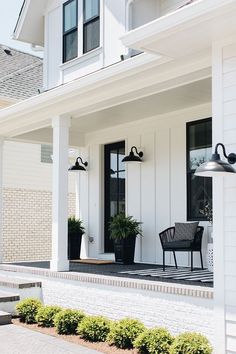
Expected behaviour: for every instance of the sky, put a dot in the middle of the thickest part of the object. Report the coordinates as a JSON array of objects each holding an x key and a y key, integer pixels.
[{"x": 9, "y": 11}]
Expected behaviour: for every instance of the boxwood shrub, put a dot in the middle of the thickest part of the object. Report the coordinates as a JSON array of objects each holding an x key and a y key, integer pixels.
[
  {"x": 124, "y": 332},
  {"x": 46, "y": 314},
  {"x": 27, "y": 309},
  {"x": 94, "y": 328},
  {"x": 154, "y": 341},
  {"x": 191, "y": 343},
  {"x": 66, "y": 321}
]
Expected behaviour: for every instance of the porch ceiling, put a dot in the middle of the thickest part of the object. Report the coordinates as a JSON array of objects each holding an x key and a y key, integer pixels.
[
  {"x": 187, "y": 30},
  {"x": 192, "y": 94}
]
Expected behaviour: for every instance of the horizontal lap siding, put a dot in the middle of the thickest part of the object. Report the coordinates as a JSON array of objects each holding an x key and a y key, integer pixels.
[{"x": 229, "y": 110}]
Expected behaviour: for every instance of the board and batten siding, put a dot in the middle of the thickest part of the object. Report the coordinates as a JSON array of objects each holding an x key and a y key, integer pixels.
[
  {"x": 224, "y": 130},
  {"x": 155, "y": 189}
]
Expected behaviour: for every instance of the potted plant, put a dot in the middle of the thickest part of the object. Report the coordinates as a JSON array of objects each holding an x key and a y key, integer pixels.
[
  {"x": 123, "y": 232},
  {"x": 75, "y": 233}
]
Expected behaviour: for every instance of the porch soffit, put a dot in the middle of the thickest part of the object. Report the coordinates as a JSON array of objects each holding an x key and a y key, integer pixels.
[
  {"x": 187, "y": 30},
  {"x": 123, "y": 82}
]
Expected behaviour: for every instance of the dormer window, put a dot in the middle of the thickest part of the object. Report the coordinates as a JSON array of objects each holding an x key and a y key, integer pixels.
[
  {"x": 70, "y": 30},
  {"x": 91, "y": 25}
]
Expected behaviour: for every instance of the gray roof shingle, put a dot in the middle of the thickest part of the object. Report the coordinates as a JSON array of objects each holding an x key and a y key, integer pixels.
[{"x": 21, "y": 74}]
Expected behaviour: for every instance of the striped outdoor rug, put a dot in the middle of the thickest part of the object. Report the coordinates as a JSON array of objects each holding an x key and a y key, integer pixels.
[{"x": 198, "y": 275}]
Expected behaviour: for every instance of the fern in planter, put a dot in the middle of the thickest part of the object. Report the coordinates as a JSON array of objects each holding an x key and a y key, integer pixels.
[
  {"x": 75, "y": 233},
  {"x": 123, "y": 231},
  {"x": 123, "y": 226},
  {"x": 75, "y": 225}
]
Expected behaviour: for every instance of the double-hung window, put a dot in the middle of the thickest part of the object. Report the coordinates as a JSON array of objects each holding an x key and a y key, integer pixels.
[
  {"x": 70, "y": 30},
  {"x": 91, "y": 25},
  {"x": 199, "y": 150}
]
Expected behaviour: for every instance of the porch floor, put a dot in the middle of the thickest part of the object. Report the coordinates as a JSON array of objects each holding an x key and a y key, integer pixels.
[{"x": 182, "y": 275}]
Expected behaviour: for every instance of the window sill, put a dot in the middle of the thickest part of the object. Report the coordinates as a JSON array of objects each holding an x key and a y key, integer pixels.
[{"x": 93, "y": 53}]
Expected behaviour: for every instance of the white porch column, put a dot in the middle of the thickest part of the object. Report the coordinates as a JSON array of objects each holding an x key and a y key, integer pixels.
[
  {"x": 59, "y": 260},
  {"x": 1, "y": 196},
  {"x": 224, "y": 197}
]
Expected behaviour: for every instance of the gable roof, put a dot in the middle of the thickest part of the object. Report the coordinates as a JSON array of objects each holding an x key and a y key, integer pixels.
[
  {"x": 21, "y": 74},
  {"x": 30, "y": 24}
]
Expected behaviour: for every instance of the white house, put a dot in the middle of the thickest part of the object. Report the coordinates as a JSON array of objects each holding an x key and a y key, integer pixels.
[
  {"x": 27, "y": 193},
  {"x": 159, "y": 75}
]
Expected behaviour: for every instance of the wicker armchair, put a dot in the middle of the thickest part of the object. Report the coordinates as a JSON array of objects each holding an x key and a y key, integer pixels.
[{"x": 169, "y": 244}]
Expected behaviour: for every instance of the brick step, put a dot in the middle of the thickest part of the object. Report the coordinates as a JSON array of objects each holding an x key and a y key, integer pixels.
[
  {"x": 8, "y": 297},
  {"x": 17, "y": 283},
  {"x": 5, "y": 318}
]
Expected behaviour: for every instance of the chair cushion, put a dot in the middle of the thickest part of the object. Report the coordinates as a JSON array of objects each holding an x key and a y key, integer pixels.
[
  {"x": 176, "y": 245},
  {"x": 185, "y": 231}
]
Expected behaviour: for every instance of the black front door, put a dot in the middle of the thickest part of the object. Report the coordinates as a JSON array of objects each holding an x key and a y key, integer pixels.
[{"x": 114, "y": 187}]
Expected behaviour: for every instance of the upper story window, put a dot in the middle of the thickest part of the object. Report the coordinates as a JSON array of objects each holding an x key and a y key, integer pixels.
[
  {"x": 70, "y": 30},
  {"x": 91, "y": 25},
  {"x": 88, "y": 24},
  {"x": 199, "y": 150}
]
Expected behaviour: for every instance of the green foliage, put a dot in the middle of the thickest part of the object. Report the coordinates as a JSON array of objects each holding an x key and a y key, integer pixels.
[
  {"x": 123, "y": 226},
  {"x": 75, "y": 225},
  {"x": 154, "y": 341},
  {"x": 46, "y": 314},
  {"x": 191, "y": 343},
  {"x": 94, "y": 328},
  {"x": 27, "y": 309},
  {"x": 124, "y": 332},
  {"x": 66, "y": 321}
]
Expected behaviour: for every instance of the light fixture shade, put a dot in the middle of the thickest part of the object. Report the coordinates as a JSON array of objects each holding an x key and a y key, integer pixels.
[
  {"x": 214, "y": 167},
  {"x": 133, "y": 157},
  {"x": 77, "y": 166}
]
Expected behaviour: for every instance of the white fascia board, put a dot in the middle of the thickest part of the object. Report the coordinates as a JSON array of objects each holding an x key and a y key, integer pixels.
[
  {"x": 179, "y": 20},
  {"x": 22, "y": 114}
]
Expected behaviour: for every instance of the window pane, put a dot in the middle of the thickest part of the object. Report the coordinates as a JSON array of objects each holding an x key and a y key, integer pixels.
[
  {"x": 91, "y": 9},
  {"x": 199, "y": 150},
  {"x": 46, "y": 153},
  {"x": 200, "y": 190},
  {"x": 70, "y": 18},
  {"x": 91, "y": 35},
  {"x": 70, "y": 46}
]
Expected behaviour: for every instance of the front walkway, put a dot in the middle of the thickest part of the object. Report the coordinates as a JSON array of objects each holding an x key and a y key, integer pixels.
[{"x": 19, "y": 340}]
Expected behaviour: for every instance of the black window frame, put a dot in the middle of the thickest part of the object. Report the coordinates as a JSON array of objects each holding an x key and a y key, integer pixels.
[
  {"x": 71, "y": 30},
  {"x": 190, "y": 173},
  {"x": 86, "y": 23}
]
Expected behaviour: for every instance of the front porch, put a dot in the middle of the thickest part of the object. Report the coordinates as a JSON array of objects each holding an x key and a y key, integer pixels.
[{"x": 144, "y": 272}]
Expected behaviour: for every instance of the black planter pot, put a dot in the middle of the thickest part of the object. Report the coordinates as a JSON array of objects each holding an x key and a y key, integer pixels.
[
  {"x": 124, "y": 250},
  {"x": 74, "y": 245}
]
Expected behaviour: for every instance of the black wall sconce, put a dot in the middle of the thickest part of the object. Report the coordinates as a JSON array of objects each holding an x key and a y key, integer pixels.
[
  {"x": 216, "y": 166},
  {"x": 79, "y": 166},
  {"x": 133, "y": 157}
]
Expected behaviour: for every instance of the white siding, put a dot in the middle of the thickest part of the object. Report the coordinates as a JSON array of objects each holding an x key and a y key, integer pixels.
[
  {"x": 156, "y": 189},
  {"x": 224, "y": 129},
  {"x": 22, "y": 168}
]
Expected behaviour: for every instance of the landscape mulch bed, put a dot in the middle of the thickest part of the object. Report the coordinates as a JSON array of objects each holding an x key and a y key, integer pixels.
[{"x": 102, "y": 347}]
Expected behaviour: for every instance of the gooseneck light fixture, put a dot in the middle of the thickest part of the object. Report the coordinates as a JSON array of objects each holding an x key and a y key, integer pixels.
[
  {"x": 133, "y": 157},
  {"x": 79, "y": 166},
  {"x": 216, "y": 166}
]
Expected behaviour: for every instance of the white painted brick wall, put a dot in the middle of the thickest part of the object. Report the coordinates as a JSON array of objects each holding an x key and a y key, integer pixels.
[{"x": 175, "y": 312}]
